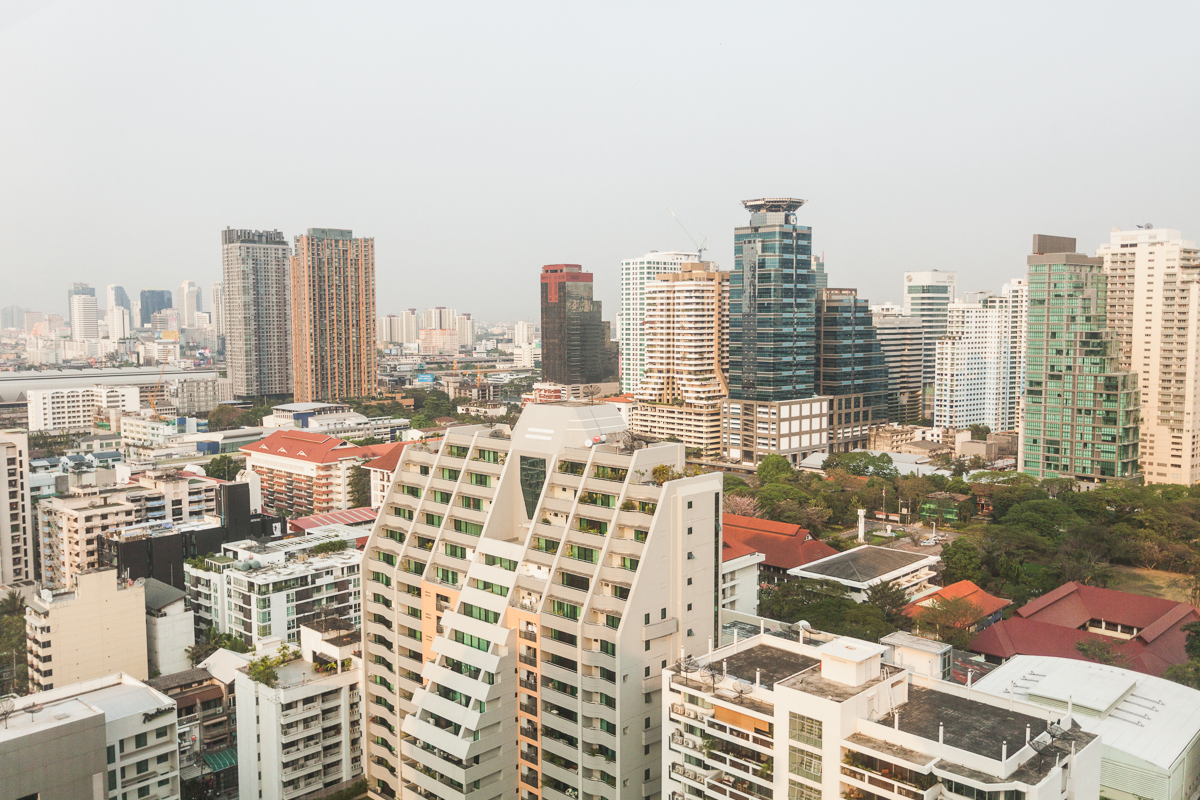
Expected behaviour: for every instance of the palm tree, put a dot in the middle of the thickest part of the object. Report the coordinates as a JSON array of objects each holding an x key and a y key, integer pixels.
[{"x": 13, "y": 604}]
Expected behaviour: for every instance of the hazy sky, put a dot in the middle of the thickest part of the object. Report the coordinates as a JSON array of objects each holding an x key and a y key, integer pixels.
[{"x": 477, "y": 142}]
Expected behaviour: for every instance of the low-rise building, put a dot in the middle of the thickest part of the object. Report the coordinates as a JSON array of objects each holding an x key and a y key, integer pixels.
[
  {"x": 198, "y": 396},
  {"x": 291, "y": 582},
  {"x": 827, "y": 717},
  {"x": 110, "y": 737},
  {"x": 303, "y": 730},
  {"x": 784, "y": 546},
  {"x": 751, "y": 431},
  {"x": 95, "y": 629},
  {"x": 382, "y": 470},
  {"x": 170, "y": 628},
  {"x": 740, "y": 577},
  {"x": 861, "y": 568},
  {"x": 334, "y": 419},
  {"x": 73, "y": 409},
  {"x": 989, "y": 606},
  {"x": 150, "y": 431}
]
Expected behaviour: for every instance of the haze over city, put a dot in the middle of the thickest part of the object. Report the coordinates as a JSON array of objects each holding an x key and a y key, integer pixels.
[{"x": 485, "y": 140}]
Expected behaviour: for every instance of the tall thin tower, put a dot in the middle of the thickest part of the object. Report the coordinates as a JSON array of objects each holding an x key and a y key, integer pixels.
[
  {"x": 258, "y": 346},
  {"x": 333, "y": 319}
]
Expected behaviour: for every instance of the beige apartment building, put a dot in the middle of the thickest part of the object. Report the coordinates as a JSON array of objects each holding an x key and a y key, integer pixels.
[
  {"x": 686, "y": 357},
  {"x": 92, "y": 630},
  {"x": 1154, "y": 307},
  {"x": 333, "y": 315}
]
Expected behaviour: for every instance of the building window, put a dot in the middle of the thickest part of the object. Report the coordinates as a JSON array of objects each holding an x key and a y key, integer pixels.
[
  {"x": 533, "y": 478},
  {"x": 798, "y": 791},
  {"x": 804, "y": 764},
  {"x": 804, "y": 729}
]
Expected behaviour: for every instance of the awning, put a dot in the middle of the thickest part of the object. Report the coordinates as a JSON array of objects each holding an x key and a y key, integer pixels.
[{"x": 222, "y": 759}]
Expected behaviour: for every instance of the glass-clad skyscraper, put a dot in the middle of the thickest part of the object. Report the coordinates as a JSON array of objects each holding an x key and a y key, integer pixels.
[
  {"x": 1080, "y": 411},
  {"x": 771, "y": 305}
]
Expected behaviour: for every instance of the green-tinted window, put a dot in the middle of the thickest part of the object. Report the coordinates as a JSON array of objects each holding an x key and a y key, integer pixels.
[
  {"x": 472, "y": 641},
  {"x": 804, "y": 729},
  {"x": 411, "y": 491},
  {"x": 804, "y": 763},
  {"x": 456, "y": 551},
  {"x": 433, "y": 519},
  {"x": 403, "y": 513},
  {"x": 490, "y": 456},
  {"x": 470, "y": 528},
  {"x": 545, "y": 545},
  {"x": 479, "y": 479},
  {"x": 611, "y": 473},
  {"x": 587, "y": 554},
  {"x": 448, "y": 474},
  {"x": 629, "y": 563},
  {"x": 481, "y": 613},
  {"x": 571, "y": 467},
  {"x": 612, "y": 621},
  {"x": 592, "y": 526},
  {"x": 473, "y": 503},
  {"x": 503, "y": 563},
  {"x": 563, "y": 636},
  {"x": 607, "y": 647},
  {"x": 447, "y": 576},
  {"x": 641, "y": 536},
  {"x": 562, "y": 608},
  {"x": 494, "y": 588},
  {"x": 457, "y": 451},
  {"x": 533, "y": 478},
  {"x": 441, "y": 497}
]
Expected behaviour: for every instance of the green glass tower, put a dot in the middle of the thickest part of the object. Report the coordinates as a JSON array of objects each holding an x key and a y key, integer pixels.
[
  {"x": 1080, "y": 413},
  {"x": 772, "y": 339}
]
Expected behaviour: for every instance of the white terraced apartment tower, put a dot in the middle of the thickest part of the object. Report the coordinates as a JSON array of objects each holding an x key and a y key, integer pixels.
[
  {"x": 980, "y": 367},
  {"x": 686, "y": 332},
  {"x": 540, "y": 576},
  {"x": 829, "y": 716},
  {"x": 635, "y": 273},
  {"x": 1154, "y": 306}
]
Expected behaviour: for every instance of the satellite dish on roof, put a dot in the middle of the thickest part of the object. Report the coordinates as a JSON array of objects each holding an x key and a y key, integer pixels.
[{"x": 140, "y": 582}]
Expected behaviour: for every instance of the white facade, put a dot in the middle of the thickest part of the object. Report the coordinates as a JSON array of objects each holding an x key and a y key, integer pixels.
[
  {"x": 288, "y": 583},
  {"x": 1154, "y": 306},
  {"x": 533, "y": 575},
  {"x": 198, "y": 396},
  {"x": 634, "y": 274},
  {"x": 980, "y": 364},
  {"x": 927, "y": 296},
  {"x": 830, "y": 717},
  {"x": 740, "y": 583},
  {"x": 306, "y": 731},
  {"x": 16, "y": 521},
  {"x": 216, "y": 305},
  {"x": 524, "y": 333},
  {"x": 750, "y": 431},
  {"x": 189, "y": 304},
  {"x": 74, "y": 409},
  {"x": 84, "y": 322},
  {"x": 117, "y": 319},
  {"x": 170, "y": 631},
  {"x": 334, "y": 419}
]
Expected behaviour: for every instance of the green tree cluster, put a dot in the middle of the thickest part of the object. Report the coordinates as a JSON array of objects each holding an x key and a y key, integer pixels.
[
  {"x": 224, "y": 467},
  {"x": 213, "y": 641},
  {"x": 12, "y": 644},
  {"x": 826, "y": 606}
]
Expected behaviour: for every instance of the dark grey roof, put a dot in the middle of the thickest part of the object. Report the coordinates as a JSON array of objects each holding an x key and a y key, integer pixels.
[
  {"x": 970, "y": 725},
  {"x": 159, "y": 595},
  {"x": 108, "y": 454},
  {"x": 176, "y": 679},
  {"x": 863, "y": 564},
  {"x": 770, "y": 664}
]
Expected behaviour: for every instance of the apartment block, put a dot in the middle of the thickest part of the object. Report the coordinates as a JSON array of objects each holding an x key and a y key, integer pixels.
[
  {"x": 402, "y": 328},
  {"x": 538, "y": 574},
  {"x": 808, "y": 716},
  {"x": 257, "y": 311},
  {"x": 438, "y": 341},
  {"x": 333, "y": 315},
  {"x": 198, "y": 396},
  {"x": 980, "y": 365},
  {"x": 750, "y": 431},
  {"x": 264, "y": 591},
  {"x": 75, "y": 409},
  {"x": 216, "y": 302},
  {"x": 113, "y": 737},
  {"x": 684, "y": 341},
  {"x": 206, "y": 716},
  {"x": 170, "y": 627},
  {"x": 635, "y": 274},
  {"x": 1081, "y": 410},
  {"x": 927, "y": 296},
  {"x": 95, "y": 629},
  {"x": 1153, "y": 305},
  {"x": 303, "y": 733},
  {"x": 16, "y": 513}
]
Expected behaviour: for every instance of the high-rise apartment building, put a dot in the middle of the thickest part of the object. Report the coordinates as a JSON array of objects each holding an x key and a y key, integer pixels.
[
  {"x": 536, "y": 575},
  {"x": 116, "y": 296},
  {"x": 684, "y": 334},
  {"x": 216, "y": 297},
  {"x": 440, "y": 318},
  {"x": 1080, "y": 414},
  {"x": 524, "y": 333},
  {"x": 333, "y": 315},
  {"x": 84, "y": 324},
  {"x": 75, "y": 290},
  {"x": 902, "y": 340},
  {"x": 12, "y": 317},
  {"x": 153, "y": 301},
  {"x": 850, "y": 367},
  {"x": 465, "y": 326},
  {"x": 1154, "y": 308},
  {"x": 772, "y": 337},
  {"x": 257, "y": 311},
  {"x": 927, "y": 295},
  {"x": 635, "y": 274},
  {"x": 117, "y": 319},
  {"x": 189, "y": 302},
  {"x": 980, "y": 375},
  {"x": 402, "y": 328},
  {"x": 16, "y": 513},
  {"x": 575, "y": 345}
]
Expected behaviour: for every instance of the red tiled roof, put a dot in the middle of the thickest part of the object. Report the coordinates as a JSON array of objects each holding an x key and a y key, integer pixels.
[
  {"x": 731, "y": 550},
  {"x": 314, "y": 448},
  {"x": 388, "y": 462},
  {"x": 1052, "y": 625},
  {"x": 988, "y": 604},
  {"x": 785, "y": 546},
  {"x": 351, "y": 516}
]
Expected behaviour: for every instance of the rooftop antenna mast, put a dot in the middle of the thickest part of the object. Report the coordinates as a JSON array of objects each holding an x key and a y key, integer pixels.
[{"x": 700, "y": 246}]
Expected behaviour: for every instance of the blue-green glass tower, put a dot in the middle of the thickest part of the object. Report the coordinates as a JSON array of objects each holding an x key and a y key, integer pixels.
[{"x": 772, "y": 309}]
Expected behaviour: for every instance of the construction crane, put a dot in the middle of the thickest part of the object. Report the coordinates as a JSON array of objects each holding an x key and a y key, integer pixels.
[
  {"x": 157, "y": 389},
  {"x": 700, "y": 246}
]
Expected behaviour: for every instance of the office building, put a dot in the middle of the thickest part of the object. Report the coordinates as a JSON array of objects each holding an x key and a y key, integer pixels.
[
  {"x": 189, "y": 302},
  {"x": 77, "y": 290},
  {"x": 153, "y": 301},
  {"x": 93, "y": 629},
  {"x": 1154, "y": 307},
  {"x": 198, "y": 396},
  {"x": 575, "y": 346},
  {"x": 294, "y": 581},
  {"x": 216, "y": 305},
  {"x": 902, "y": 341},
  {"x": 635, "y": 273},
  {"x": 683, "y": 333},
  {"x": 850, "y": 367},
  {"x": 333, "y": 315},
  {"x": 534, "y": 574},
  {"x": 16, "y": 520},
  {"x": 304, "y": 732},
  {"x": 112, "y": 737},
  {"x": 257, "y": 312},
  {"x": 980, "y": 369},
  {"x": 84, "y": 324},
  {"x": 807, "y": 715},
  {"x": 1080, "y": 413},
  {"x": 772, "y": 342},
  {"x": 402, "y": 328},
  {"x": 927, "y": 295},
  {"x": 751, "y": 431}
]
